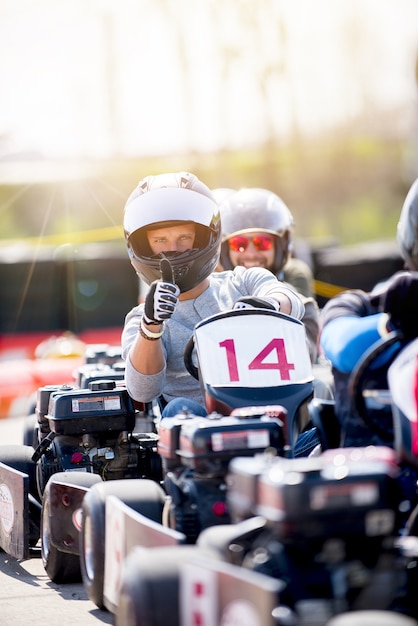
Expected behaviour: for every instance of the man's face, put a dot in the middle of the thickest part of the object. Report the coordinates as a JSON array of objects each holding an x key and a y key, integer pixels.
[
  {"x": 255, "y": 249},
  {"x": 172, "y": 239}
]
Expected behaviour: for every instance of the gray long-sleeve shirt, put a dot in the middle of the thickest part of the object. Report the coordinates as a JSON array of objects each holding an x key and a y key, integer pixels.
[{"x": 224, "y": 290}]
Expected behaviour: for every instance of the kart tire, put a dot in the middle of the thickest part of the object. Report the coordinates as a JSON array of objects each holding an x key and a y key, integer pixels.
[
  {"x": 143, "y": 495},
  {"x": 371, "y": 618},
  {"x": 218, "y": 539},
  {"x": 149, "y": 592},
  {"x": 61, "y": 567},
  {"x": 20, "y": 458},
  {"x": 30, "y": 431}
]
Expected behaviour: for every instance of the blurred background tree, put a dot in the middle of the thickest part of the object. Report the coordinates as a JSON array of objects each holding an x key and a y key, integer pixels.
[{"x": 313, "y": 100}]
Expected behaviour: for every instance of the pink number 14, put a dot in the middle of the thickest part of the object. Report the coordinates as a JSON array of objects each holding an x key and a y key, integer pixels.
[{"x": 258, "y": 363}]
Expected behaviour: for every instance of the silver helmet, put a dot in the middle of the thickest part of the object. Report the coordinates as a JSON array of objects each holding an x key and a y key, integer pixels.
[
  {"x": 251, "y": 209},
  {"x": 407, "y": 231}
]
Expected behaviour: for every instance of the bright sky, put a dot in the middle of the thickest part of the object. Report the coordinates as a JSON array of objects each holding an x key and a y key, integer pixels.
[{"x": 96, "y": 78}]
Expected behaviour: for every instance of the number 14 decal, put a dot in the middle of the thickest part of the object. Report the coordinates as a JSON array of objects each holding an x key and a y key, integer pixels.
[{"x": 258, "y": 363}]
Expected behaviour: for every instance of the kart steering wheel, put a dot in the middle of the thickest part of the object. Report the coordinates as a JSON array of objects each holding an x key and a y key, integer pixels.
[
  {"x": 188, "y": 361},
  {"x": 357, "y": 385}
]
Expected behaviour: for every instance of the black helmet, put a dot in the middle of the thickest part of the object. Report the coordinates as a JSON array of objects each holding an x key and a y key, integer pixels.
[
  {"x": 257, "y": 209},
  {"x": 168, "y": 200},
  {"x": 407, "y": 231}
]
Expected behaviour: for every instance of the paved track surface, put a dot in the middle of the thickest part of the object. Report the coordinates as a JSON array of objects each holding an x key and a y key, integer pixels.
[{"x": 27, "y": 596}]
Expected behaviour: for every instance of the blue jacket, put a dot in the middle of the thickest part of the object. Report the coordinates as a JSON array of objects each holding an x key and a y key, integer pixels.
[{"x": 351, "y": 323}]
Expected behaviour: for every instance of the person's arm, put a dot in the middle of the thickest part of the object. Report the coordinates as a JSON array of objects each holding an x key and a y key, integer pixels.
[
  {"x": 142, "y": 346},
  {"x": 351, "y": 323},
  {"x": 142, "y": 385},
  {"x": 345, "y": 339},
  {"x": 261, "y": 283},
  {"x": 146, "y": 355},
  {"x": 146, "y": 352},
  {"x": 353, "y": 302}
]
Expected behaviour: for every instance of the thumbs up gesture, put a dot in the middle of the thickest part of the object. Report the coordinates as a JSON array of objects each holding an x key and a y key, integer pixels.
[{"x": 162, "y": 297}]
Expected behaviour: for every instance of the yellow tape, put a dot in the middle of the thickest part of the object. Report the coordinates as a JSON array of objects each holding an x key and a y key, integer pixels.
[
  {"x": 87, "y": 236},
  {"x": 326, "y": 290}
]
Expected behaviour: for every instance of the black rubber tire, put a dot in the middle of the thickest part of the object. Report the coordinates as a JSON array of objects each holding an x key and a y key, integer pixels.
[
  {"x": 149, "y": 593},
  {"x": 20, "y": 458},
  {"x": 188, "y": 359},
  {"x": 30, "y": 431},
  {"x": 218, "y": 539},
  {"x": 61, "y": 567},
  {"x": 382, "y": 428},
  {"x": 142, "y": 495}
]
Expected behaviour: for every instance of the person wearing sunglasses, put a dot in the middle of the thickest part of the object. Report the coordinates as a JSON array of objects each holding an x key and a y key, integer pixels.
[
  {"x": 172, "y": 228},
  {"x": 257, "y": 231}
]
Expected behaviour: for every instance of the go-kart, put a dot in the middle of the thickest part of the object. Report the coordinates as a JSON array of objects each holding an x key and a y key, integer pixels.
[
  {"x": 256, "y": 376},
  {"x": 313, "y": 541},
  {"x": 257, "y": 386},
  {"x": 80, "y": 435}
]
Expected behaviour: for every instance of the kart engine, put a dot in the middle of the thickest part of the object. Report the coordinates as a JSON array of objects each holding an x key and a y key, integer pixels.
[
  {"x": 331, "y": 534},
  {"x": 195, "y": 456},
  {"x": 91, "y": 430}
]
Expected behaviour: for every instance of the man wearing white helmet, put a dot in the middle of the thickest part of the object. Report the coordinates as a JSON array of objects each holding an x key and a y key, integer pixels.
[{"x": 173, "y": 232}]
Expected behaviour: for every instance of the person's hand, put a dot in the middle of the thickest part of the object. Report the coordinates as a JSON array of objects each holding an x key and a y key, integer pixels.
[
  {"x": 252, "y": 302},
  {"x": 162, "y": 296},
  {"x": 401, "y": 304}
]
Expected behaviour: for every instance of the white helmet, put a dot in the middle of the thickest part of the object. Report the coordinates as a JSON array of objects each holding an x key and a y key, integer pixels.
[{"x": 169, "y": 200}]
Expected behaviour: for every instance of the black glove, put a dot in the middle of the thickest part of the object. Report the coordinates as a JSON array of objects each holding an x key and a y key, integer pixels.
[
  {"x": 162, "y": 297},
  {"x": 401, "y": 303},
  {"x": 252, "y": 302}
]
